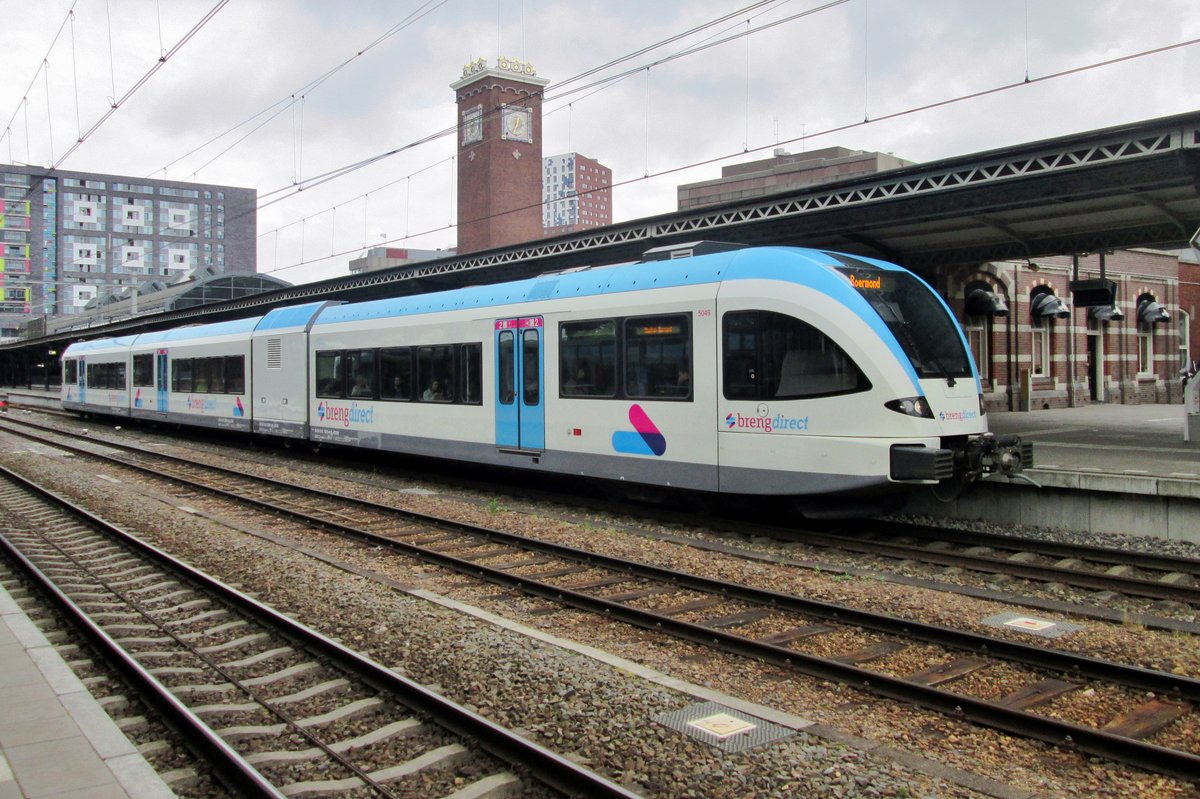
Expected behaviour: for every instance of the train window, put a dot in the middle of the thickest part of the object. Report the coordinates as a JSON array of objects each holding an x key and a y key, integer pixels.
[
  {"x": 200, "y": 375},
  {"x": 531, "y": 367},
  {"x": 143, "y": 370},
  {"x": 435, "y": 373},
  {"x": 235, "y": 374},
  {"x": 470, "y": 372},
  {"x": 658, "y": 357},
  {"x": 360, "y": 373},
  {"x": 919, "y": 320},
  {"x": 506, "y": 360},
  {"x": 71, "y": 371},
  {"x": 770, "y": 355},
  {"x": 106, "y": 375},
  {"x": 181, "y": 375},
  {"x": 329, "y": 374},
  {"x": 588, "y": 359},
  {"x": 216, "y": 375},
  {"x": 395, "y": 374}
]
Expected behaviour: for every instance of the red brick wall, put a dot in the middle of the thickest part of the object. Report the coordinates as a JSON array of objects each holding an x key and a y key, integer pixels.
[
  {"x": 1189, "y": 302},
  {"x": 499, "y": 180},
  {"x": 1073, "y": 371}
]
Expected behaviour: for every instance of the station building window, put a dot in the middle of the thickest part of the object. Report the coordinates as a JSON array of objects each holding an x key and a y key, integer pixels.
[
  {"x": 1149, "y": 315},
  {"x": 1039, "y": 349},
  {"x": 982, "y": 305},
  {"x": 1044, "y": 309}
]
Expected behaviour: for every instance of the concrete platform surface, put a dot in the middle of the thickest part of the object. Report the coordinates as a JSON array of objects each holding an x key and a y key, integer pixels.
[
  {"x": 1133, "y": 440},
  {"x": 56, "y": 742}
]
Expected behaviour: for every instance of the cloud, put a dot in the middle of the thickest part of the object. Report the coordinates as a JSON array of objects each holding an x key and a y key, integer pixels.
[{"x": 788, "y": 84}]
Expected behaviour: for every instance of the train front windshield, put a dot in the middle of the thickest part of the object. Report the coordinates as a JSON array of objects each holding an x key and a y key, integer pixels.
[{"x": 926, "y": 332}]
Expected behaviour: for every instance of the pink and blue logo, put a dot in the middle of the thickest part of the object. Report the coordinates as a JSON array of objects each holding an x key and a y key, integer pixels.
[
  {"x": 238, "y": 410},
  {"x": 645, "y": 439},
  {"x": 137, "y": 399}
]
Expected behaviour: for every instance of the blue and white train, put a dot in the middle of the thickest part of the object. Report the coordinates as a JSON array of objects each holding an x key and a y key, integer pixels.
[{"x": 827, "y": 378}]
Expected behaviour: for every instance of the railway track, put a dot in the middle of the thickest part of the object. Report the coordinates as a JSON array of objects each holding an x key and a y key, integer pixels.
[
  {"x": 1153, "y": 727},
  {"x": 276, "y": 708},
  {"x": 1086, "y": 568},
  {"x": 1094, "y": 568}
]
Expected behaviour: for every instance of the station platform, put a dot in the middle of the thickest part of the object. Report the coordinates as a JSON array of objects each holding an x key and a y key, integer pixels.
[
  {"x": 1122, "y": 469},
  {"x": 56, "y": 742},
  {"x": 1130, "y": 440}
]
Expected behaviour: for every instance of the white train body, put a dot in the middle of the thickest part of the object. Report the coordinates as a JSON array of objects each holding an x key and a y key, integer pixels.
[{"x": 769, "y": 371}]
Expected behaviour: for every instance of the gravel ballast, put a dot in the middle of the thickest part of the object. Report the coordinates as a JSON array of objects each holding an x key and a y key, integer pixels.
[{"x": 597, "y": 712}]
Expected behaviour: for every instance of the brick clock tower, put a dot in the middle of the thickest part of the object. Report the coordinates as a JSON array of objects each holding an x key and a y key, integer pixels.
[{"x": 499, "y": 154}]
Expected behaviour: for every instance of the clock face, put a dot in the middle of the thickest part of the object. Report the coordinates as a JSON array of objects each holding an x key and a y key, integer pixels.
[
  {"x": 472, "y": 125},
  {"x": 517, "y": 124}
]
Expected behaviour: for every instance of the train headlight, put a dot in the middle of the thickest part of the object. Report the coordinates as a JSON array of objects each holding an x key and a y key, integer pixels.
[{"x": 911, "y": 406}]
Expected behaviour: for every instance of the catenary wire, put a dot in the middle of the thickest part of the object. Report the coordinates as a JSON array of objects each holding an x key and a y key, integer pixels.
[{"x": 825, "y": 132}]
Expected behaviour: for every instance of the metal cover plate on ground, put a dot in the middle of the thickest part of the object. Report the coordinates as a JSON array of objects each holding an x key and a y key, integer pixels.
[
  {"x": 723, "y": 727},
  {"x": 1029, "y": 624}
]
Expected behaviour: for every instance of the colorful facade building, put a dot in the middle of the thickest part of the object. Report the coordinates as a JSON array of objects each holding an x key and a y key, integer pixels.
[
  {"x": 576, "y": 194},
  {"x": 69, "y": 238}
]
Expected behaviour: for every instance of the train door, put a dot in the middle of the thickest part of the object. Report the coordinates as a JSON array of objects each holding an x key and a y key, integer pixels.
[
  {"x": 520, "y": 409},
  {"x": 82, "y": 380},
  {"x": 160, "y": 380}
]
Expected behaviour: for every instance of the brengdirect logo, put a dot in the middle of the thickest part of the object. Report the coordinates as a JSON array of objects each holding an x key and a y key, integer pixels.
[
  {"x": 201, "y": 404},
  {"x": 768, "y": 424},
  {"x": 345, "y": 414},
  {"x": 957, "y": 416}
]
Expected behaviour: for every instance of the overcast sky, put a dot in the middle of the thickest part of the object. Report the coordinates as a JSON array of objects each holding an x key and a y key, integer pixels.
[{"x": 787, "y": 85}]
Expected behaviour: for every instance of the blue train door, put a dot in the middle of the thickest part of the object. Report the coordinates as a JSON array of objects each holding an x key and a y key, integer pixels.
[
  {"x": 160, "y": 381},
  {"x": 520, "y": 410}
]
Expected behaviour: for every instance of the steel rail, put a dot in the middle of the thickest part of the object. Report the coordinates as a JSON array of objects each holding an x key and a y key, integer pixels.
[
  {"x": 1133, "y": 676},
  {"x": 1097, "y": 742},
  {"x": 1053, "y": 731},
  {"x": 1131, "y": 586},
  {"x": 1058, "y": 549},
  {"x": 229, "y": 766},
  {"x": 1128, "y": 585},
  {"x": 549, "y": 767}
]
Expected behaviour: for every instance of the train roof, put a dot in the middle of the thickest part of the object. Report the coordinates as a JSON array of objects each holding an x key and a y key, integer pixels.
[
  {"x": 814, "y": 268},
  {"x": 98, "y": 345},
  {"x": 198, "y": 331},
  {"x": 293, "y": 317}
]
